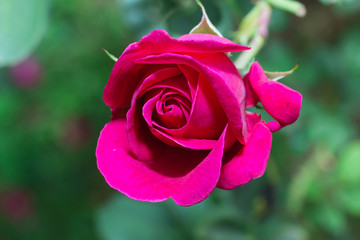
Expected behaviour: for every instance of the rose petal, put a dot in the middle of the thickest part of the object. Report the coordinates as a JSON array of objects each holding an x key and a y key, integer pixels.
[
  {"x": 187, "y": 176},
  {"x": 244, "y": 163},
  {"x": 224, "y": 80},
  {"x": 192, "y": 77},
  {"x": 143, "y": 143},
  {"x": 159, "y": 41},
  {"x": 166, "y": 77},
  {"x": 123, "y": 171},
  {"x": 190, "y": 143},
  {"x": 252, "y": 119},
  {"x": 280, "y": 101},
  {"x": 126, "y": 73},
  {"x": 274, "y": 126},
  {"x": 200, "y": 182},
  {"x": 251, "y": 98},
  {"x": 207, "y": 118},
  {"x": 156, "y": 130},
  {"x": 170, "y": 111}
]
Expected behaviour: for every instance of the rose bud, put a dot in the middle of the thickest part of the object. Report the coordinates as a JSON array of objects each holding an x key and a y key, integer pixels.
[{"x": 187, "y": 130}]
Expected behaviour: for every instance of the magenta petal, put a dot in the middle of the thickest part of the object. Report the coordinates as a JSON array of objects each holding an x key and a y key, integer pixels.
[
  {"x": 251, "y": 98},
  {"x": 244, "y": 163},
  {"x": 252, "y": 119},
  {"x": 224, "y": 80},
  {"x": 192, "y": 78},
  {"x": 188, "y": 176},
  {"x": 274, "y": 126},
  {"x": 280, "y": 101},
  {"x": 190, "y": 143},
  {"x": 157, "y": 78},
  {"x": 123, "y": 171},
  {"x": 201, "y": 181},
  {"x": 207, "y": 119},
  {"x": 160, "y": 132},
  {"x": 126, "y": 73},
  {"x": 159, "y": 41},
  {"x": 143, "y": 144},
  {"x": 204, "y": 42}
]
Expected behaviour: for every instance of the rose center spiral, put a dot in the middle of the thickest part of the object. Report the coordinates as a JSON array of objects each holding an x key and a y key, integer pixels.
[{"x": 172, "y": 110}]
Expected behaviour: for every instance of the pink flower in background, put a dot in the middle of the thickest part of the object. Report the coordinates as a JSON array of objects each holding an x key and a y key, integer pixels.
[
  {"x": 186, "y": 129},
  {"x": 27, "y": 74},
  {"x": 16, "y": 204}
]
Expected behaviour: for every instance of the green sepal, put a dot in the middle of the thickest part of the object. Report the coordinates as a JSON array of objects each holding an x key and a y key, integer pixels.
[
  {"x": 275, "y": 76},
  {"x": 110, "y": 55},
  {"x": 205, "y": 25}
]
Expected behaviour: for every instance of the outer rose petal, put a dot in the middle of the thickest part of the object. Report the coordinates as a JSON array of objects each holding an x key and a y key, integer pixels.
[
  {"x": 187, "y": 176},
  {"x": 280, "y": 101},
  {"x": 246, "y": 162},
  {"x": 252, "y": 119},
  {"x": 126, "y": 74}
]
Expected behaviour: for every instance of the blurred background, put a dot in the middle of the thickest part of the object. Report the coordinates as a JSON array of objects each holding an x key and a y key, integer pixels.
[{"x": 52, "y": 74}]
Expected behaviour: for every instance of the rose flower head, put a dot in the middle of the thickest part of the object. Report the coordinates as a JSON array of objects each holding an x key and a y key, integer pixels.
[{"x": 179, "y": 125}]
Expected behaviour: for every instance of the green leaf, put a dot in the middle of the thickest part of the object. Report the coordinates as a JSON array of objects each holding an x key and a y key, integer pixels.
[
  {"x": 205, "y": 25},
  {"x": 337, "y": 1},
  {"x": 349, "y": 164},
  {"x": 275, "y": 76},
  {"x": 110, "y": 55},
  {"x": 22, "y": 25},
  {"x": 224, "y": 230},
  {"x": 349, "y": 199},
  {"x": 279, "y": 228},
  {"x": 329, "y": 218},
  {"x": 206, "y": 220},
  {"x": 124, "y": 218}
]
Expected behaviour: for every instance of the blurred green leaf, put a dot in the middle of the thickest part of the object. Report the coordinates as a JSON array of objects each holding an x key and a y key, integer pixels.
[
  {"x": 22, "y": 25},
  {"x": 329, "y": 218},
  {"x": 349, "y": 164},
  {"x": 329, "y": 129},
  {"x": 224, "y": 230},
  {"x": 349, "y": 199},
  {"x": 122, "y": 218},
  {"x": 208, "y": 220},
  {"x": 141, "y": 16},
  {"x": 276, "y": 228},
  {"x": 337, "y": 1}
]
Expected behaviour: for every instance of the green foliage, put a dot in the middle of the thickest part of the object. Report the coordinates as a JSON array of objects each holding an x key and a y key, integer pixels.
[
  {"x": 349, "y": 164},
  {"x": 128, "y": 219},
  {"x": 22, "y": 25}
]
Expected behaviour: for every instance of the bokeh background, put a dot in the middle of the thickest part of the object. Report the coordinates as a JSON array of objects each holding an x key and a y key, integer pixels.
[{"x": 51, "y": 112}]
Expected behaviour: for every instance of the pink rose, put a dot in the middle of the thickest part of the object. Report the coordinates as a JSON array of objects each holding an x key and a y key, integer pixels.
[{"x": 186, "y": 129}]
